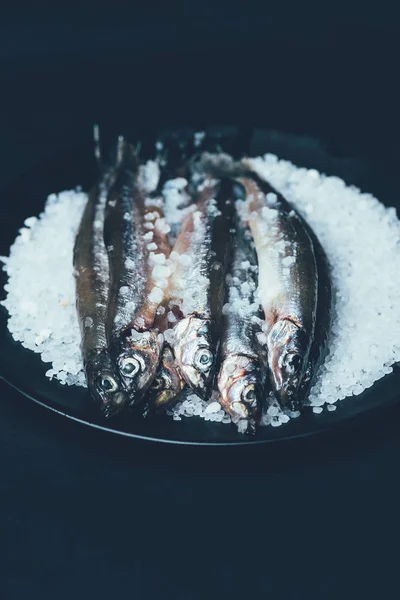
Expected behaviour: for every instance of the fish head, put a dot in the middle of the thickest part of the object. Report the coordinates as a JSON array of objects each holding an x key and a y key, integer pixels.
[
  {"x": 104, "y": 384},
  {"x": 288, "y": 350},
  {"x": 240, "y": 384},
  {"x": 167, "y": 383},
  {"x": 137, "y": 361},
  {"x": 195, "y": 352}
]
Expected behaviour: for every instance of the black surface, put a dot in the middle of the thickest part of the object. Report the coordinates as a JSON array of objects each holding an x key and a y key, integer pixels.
[
  {"x": 83, "y": 514},
  {"x": 69, "y": 169}
]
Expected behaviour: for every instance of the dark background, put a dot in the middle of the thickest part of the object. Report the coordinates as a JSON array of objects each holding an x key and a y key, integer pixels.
[{"x": 83, "y": 514}]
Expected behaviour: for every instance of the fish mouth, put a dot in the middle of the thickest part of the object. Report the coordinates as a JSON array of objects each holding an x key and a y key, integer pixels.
[
  {"x": 114, "y": 405},
  {"x": 288, "y": 350},
  {"x": 137, "y": 361},
  {"x": 201, "y": 383},
  {"x": 241, "y": 390},
  {"x": 110, "y": 401},
  {"x": 195, "y": 352},
  {"x": 286, "y": 378},
  {"x": 289, "y": 398}
]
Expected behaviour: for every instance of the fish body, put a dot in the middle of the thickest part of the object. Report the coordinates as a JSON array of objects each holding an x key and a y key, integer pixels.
[
  {"x": 92, "y": 293},
  {"x": 243, "y": 355},
  {"x": 200, "y": 258},
  {"x": 132, "y": 234},
  {"x": 288, "y": 286}
]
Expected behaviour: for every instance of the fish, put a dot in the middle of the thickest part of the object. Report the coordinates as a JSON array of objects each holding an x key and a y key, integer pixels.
[
  {"x": 91, "y": 272},
  {"x": 167, "y": 384},
  {"x": 243, "y": 357},
  {"x": 288, "y": 287},
  {"x": 200, "y": 256},
  {"x": 174, "y": 193},
  {"x": 134, "y": 235}
]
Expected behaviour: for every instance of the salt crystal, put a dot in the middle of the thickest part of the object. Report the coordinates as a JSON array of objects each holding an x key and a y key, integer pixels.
[
  {"x": 160, "y": 271},
  {"x": 185, "y": 259},
  {"x": 214, "y": 407},
  {"x": 317, "y": 409},
  {"x": 30, "y": 222},
  {"x": 152, "y": 246},
  {"x": 288, "y": 260},
  {"x": 148, "y": 236},
  {"x": 149, "y": 175},
  {"x": 156, "y": 295},
  {"x": 162, "y": 225},
  {"x": 130, "y": 263},
  {"x": 262, "y": 338},
  {"x": 161, "y": 283},
  {"x": 169, "y": 336},
  {"x": 245, "y": 287},
  {"x": 159, "y": 259},
  {"x": 242, "y": 426},
  {"x": 198, "y": 138}
]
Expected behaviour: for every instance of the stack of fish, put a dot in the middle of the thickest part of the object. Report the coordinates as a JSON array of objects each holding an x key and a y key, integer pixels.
[{"x": 230, "y": 291}]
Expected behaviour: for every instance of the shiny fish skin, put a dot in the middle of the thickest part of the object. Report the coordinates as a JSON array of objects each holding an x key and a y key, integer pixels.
[
  {"x": 288, "y": 286},
  {"x": 243, "y": 358},
  {"x": 134, "y": 343},
  {"x": 323, "y": 320},
  {"x": 92, "y": 281},
  {"x": 167, "y": 384},
  {"x": 200, "y": 255}
]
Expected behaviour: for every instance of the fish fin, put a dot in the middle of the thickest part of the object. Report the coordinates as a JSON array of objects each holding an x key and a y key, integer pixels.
[
  {"x": 96, "y": 142},
  {"x": 127, "y": 154}
]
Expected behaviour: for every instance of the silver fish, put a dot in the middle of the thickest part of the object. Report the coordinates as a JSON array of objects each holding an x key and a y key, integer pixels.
[
  {"x": 92, "y": 284},
  {"x": 200, "y": 258},
  {"x": 133, "y": 235},
  {"x": 288, "y": 286},
  {"x": 243, "y": 357}
]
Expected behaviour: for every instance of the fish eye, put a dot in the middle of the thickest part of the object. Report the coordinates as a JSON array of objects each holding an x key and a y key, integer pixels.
[
  {"x": 203, "y": 359},
  {"x": 106, "y": 383},
  {"x": 130, "y": 367},
  {"x": 249, "y": 393}
]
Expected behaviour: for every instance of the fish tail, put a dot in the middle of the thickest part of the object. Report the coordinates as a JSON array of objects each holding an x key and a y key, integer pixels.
[
  {"x": 96, "y": 143},
  {"x": 127, "y": 154}
]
